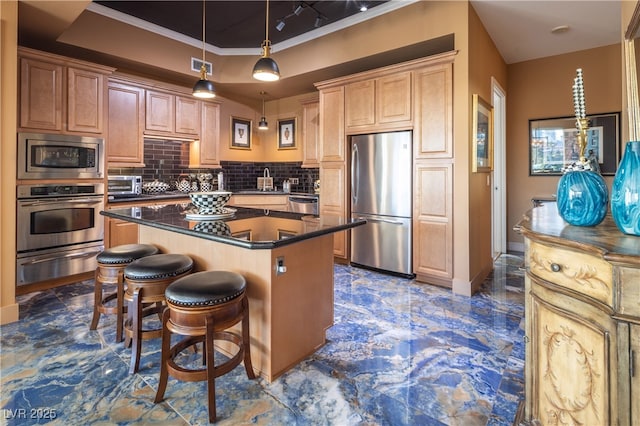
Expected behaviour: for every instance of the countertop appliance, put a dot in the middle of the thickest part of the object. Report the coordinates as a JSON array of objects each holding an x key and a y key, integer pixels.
[
  {"x": 53, "y": 156},
  {"x": 59, "y": 230},
  {"x": 120, "y": 186},
  {"x": 304, "y": 203},
  {"x": 381, "y": 182}
]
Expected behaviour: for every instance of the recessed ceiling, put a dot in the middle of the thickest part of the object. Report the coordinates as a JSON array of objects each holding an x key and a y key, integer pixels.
[{"x": 240, "y": 24}]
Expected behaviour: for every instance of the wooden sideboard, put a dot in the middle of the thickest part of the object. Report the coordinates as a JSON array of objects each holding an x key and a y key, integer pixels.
[{"x": 582, "y": 319}]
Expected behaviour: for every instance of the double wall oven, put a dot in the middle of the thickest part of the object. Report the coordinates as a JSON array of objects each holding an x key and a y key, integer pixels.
[{"x": 60, "y": 194}]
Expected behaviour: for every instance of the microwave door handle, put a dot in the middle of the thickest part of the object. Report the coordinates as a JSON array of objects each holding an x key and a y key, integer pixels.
[{"x": 83, "y": 255}]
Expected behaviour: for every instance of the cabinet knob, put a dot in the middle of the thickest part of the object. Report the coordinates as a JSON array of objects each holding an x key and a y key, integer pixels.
[
  {"x": 525, "y": 338},
  {"x": 555, "y": 267}
]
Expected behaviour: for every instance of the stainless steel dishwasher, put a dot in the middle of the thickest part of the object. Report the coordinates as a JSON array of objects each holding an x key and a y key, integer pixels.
[{"x": 303, "y": 203}]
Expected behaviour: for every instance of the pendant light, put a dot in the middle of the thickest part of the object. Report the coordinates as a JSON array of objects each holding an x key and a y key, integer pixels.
[
  {"x": 203, "y": 88},
  {"x": 266, "y": 68},
  {"x": 263, "y": 125}
]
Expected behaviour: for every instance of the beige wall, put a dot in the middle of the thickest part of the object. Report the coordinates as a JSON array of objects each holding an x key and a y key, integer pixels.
[
  {"x": 8, "y": 102},
  {"x": 485, "y": 62},
  {"x": 542, "y": 88}
]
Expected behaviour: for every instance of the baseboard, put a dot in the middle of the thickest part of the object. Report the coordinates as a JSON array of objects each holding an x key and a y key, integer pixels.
[
  {"x": 9, "y": 313},
  {"x": 513, "y": 246}
]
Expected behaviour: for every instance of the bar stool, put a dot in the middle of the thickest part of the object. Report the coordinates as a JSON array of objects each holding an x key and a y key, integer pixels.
[
  {"x": 146, "y": 279},
  {"x": 110, "y": 270},
  {"x": 203, "y": 306}
]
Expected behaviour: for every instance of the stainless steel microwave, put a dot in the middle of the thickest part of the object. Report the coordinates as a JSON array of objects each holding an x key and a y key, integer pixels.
[
  {"x": 53, "y": 156},
  {"x": 124, "y": 186}
]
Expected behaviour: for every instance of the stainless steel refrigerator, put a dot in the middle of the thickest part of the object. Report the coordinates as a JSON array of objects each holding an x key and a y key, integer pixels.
[{"x": 381, "y": 188}]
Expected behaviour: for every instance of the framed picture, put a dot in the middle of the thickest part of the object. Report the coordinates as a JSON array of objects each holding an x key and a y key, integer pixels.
[
  {"x": 482, "y": 135},
  {"x": 240, "y": 133},
  {"x": 287, "y": 133},
  {"x": 283, "y": 234},
  {"x": 553, "y": 143},
  {"x": 242, "y": 235}
]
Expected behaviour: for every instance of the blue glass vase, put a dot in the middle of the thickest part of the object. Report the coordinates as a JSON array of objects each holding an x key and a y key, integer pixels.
[
  {"x": 625, "y": 191},
  {"x": 582, "y": 198}
]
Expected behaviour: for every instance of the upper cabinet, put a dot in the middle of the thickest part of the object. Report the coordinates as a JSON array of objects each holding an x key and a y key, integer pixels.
[
  {"x": 125, "y": 142},
  {"x": 332, "y": 146},
  {"x": 61, "y": 95},
  {"x": 382, "y": 103},
  {"x": 168, "y": 114},
  {"x": 205, "y": 152},
  {"x": 310, "y": 133}
]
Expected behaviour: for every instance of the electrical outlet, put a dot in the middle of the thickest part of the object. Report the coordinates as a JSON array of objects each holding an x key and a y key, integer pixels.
[{"x": 293, "y": 181}]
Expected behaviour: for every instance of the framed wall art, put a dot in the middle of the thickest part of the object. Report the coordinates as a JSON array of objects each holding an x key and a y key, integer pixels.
[
  {"x": 287, "y": 133},
  {"x": 240, "y": 133},
  {"x": 553, "y": 143},
  {"x": 482, "y": 135}
]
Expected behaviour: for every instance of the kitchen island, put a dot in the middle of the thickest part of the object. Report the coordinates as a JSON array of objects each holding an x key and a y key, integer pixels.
[{"x": 286, "y": 258}]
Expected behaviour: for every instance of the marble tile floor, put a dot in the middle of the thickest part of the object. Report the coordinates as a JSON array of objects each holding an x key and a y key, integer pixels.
[{"x": 400, "y": 353}]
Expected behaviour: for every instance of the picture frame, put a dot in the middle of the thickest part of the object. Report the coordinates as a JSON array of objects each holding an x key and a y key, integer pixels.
[
  {"x": 240, "y": 133},
  {"x": 242, "y": 235},
  {"x": 553, "y": 143},
  {"x": 482, "y": 135},
  {"x": 284, "y": 234},
  {"x": 287, "y": 133}
]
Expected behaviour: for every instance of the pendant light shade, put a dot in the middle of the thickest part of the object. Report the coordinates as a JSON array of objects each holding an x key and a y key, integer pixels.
[
  {"x": 266, "y": 68},
  {"x": 203, "y": 88},
  {"x": 263, "y": 125}
]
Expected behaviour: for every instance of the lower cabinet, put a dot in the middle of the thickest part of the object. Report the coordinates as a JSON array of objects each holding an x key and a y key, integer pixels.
[{"x": 121, "y": 232}]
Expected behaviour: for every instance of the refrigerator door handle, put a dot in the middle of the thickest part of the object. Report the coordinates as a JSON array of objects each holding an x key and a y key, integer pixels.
[
  {"x": 355, "y": 170},
  {"x": 392, "y": 222}
]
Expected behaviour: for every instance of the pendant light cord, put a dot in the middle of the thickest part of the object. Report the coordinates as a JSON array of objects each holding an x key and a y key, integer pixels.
[
  {"x": 267, "y": 24},
  {"x": 204, "y": 2}
]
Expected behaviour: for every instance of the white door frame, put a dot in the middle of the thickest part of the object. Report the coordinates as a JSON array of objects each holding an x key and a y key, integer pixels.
[{"x": 499, "y": 174}]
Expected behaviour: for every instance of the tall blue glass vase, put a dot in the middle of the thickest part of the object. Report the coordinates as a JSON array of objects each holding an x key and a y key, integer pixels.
[
  {"x": 625, "y": 191},
  {"x": 582, "y": 198}
]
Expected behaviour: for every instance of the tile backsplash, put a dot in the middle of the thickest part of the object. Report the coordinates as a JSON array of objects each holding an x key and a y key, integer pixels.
[{"x": 166, "y": 160}]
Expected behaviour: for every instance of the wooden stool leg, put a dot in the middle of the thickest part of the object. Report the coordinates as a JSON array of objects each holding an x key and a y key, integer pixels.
[
  {"x": 166, "y": 355},
  {"x": 97, "y": 300},
  {"x": 246, "y": 344},
  {"x": 120, "y": 306},
  {"x": 136, "y": 331},
  {"x": 211, "y": 367}
]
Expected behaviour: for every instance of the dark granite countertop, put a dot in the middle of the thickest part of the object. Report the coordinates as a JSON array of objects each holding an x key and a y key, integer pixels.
[
  {"x": 248, "y": 228},
  {"x": 169, "y": 195}
]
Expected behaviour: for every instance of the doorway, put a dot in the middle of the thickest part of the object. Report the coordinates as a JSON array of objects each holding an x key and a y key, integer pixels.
[{"x": 499, "y": 174}]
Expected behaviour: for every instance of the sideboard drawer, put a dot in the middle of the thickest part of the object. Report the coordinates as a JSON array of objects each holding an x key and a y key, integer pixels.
[
  {"x": 629, "y": 288},
  {"x": 583, "y": 273}
]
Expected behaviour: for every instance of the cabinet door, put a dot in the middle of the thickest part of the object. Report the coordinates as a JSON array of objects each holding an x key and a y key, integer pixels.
[
  {"x": 635, "y": 378},
  {"x": 333, "y": 201},
  {"x": 359, "y": 103},
  {"x": 433, "y": 110},
  {"x": 393, "y": 98},
  {"x": 310, "y": 134},
  {"x": 40, "y": 95},
  {"x": 205, "y": 152},
  {"x": 125, "y": 144},
  {"x": 122, "y": 232},
  {"x": 332, "y": 137},
  {"x": 85, "y": 105},
  {"x": 432, "y": 222},
  {"x": 187, "y": 116},
  {"x": 571, "y": 361},
  {"x": 160, "y": 112}
]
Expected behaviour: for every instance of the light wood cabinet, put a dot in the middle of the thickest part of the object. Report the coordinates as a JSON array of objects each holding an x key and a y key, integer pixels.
[
  {"x": 121, "y": 232},
  {"x": 581, "y": 322},
  {"x": 125, "y": 143},
  {"x": 168, "y": 114},
  {"x": 267, "y": 202},
  {"x": 61, "y": 95},
  {"x": 415, "y": 95},
  {"x": 310, "y": 133},
  {"x": 379, "y": 102},
  {"x": 205, "y": 151}
]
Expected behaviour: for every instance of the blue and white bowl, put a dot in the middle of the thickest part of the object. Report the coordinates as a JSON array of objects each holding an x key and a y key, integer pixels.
[{"x": 210, "y": 202}]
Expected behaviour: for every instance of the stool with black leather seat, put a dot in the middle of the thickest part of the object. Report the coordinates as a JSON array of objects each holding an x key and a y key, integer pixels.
[
  {"x": 147, "y": 280},
  {"x": 203, "y": 306},
  {"x": 110, "y": 270}
]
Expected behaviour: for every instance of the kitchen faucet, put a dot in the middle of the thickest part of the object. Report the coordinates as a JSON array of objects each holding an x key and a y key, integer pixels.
[{"x": 265, "y": 175}]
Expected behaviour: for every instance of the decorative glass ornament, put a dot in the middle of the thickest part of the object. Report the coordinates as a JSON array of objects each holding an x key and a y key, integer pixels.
[
  {"x": 582, "y": 198},
  {"x": 625, "y": 191}
]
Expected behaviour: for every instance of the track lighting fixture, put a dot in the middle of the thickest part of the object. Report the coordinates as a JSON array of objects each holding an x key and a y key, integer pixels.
[
  {"x": 266, "y": 68},
  {"x": 203, "y": 88},
  {"x": 298, "y": 10},
  {"x": 280, "y": 25}
]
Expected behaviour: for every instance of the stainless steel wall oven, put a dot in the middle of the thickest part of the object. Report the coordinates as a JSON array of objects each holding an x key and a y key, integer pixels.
[{"x": 59, "y": 230}]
